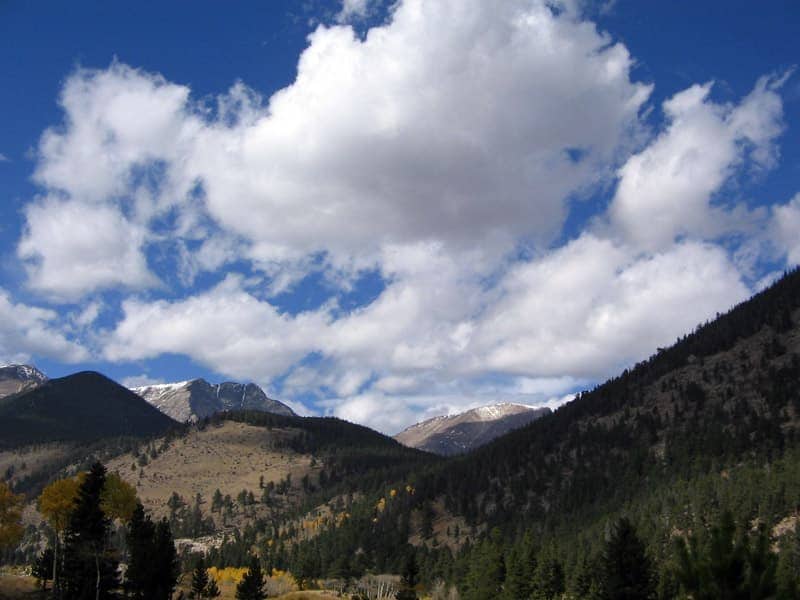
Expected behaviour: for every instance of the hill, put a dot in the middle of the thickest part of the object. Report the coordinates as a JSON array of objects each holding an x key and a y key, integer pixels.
[
  {"x": 456, "y": 434},
  {"x": 82, "y": 407},
  {"x": 709, "y": 424},
  {"x": 197, "y": 398}
]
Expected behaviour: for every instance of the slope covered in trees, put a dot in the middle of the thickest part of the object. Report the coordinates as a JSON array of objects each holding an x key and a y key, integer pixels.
[
  {"x": 707, "y": 425},
  {"x": 84, "y": 406}
]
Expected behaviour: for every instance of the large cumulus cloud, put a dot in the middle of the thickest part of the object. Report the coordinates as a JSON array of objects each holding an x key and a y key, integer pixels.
[{"x": 442, "y": 151}]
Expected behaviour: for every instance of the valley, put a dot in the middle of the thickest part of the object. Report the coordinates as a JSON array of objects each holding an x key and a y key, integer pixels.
[{"x": 704, "y": 430}]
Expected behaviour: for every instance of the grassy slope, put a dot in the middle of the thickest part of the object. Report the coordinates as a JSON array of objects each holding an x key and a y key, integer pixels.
[{"x": 229, "y": 457}]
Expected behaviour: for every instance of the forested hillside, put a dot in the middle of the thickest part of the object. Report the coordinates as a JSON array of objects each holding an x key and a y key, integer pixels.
[
  {"x": 84, "y": 407},
  {"x": 706, "y": 425}
]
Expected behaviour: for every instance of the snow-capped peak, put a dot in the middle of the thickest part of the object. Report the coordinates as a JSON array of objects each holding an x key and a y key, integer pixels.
[{"x": 24, "y": 372}]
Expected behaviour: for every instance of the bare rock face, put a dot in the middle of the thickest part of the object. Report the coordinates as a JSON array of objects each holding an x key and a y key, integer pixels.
[
  {"x": 456, "y": 434},
  {"x": 197, "y": 398},
  {"x": 19, "y": 378}
]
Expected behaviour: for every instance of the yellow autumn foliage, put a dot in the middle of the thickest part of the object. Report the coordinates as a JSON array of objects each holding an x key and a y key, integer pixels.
[
  {"x": 57, "y": 500},
  {"x": 10, "y": 516},
  {"x": 281, "y": 582},
  {"x": 228, "y": 574}
]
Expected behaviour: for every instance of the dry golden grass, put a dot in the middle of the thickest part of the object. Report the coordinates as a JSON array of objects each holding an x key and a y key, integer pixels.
[
  {"x": 30, "y": 460},
  {"x": 16, "y": 586},
  {"x": 231, "y": 457}
]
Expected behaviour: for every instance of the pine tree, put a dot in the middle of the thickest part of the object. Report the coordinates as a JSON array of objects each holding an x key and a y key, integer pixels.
[
  {"x": 409, "y": 578},
  {"x": 139, "y": 536},
  {"x": 199, "y": 579},
  {"x": 153, "y": 566},
  {"x": 548, "y": 578},
  {"x": 487, "y": 571},
  {"x": 626, "y": 572},
  {"x": 216, "y": 501},
  {"x": 520, "y": 568},
  {"x": 166, "y": 559},
  {"x": 788, "y": 572},
  {"x": 251, "y": 587},
  {"x": 90, "y": 566},
  {"x": 726, "y": 565}
]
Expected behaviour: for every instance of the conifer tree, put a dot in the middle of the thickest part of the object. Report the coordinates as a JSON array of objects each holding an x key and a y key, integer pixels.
[
  {"x": 409, "y": 578},
  {"x": 788, "y": 571},
  {"x": 520, "y": 569},
  {"x": 90, "y": 566},
  {"x": 166, "y": 560},
  {"x": 548, "y": 578},
  {"x": 139, "y": 537},
  {"x": 487, "y": 571},
  {"x": 626, "y": 572},
  {"x": 153, "y": 566},
  {"x": 251, "y": 587},
  {"x": 726, "y": 565},
  {"x": 199, "y": 579}
]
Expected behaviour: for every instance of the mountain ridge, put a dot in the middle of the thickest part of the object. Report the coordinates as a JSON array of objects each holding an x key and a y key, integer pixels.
[
  {"x": 458, "y": 433},
  {"x": 84, "y": 406},
  {"x": 15, "y": 378},
  {"x": 196, "y": 399}
]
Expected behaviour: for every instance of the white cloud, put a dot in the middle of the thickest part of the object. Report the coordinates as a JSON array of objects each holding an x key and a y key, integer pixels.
[
  {"x": 454, "y": 122},
  {"x": 438, "y": 150},
  {"x": 576, "y": 315},
  {"x": 27, "y": 332},
  {"x": 378, "y": 143},
  {"x": 667, "y": 190},
  {"x": 4, "y": 158},
  {"x": 87, "y": 315},
  {"x": 69, "y": 247},
  {"x": 117, "y": 122},
  {"x": 593, "y": 307},
  {"x": 226, "y": 329},
  {"x": 786, "y": 229},
  {"x": 353, "y": 10}
]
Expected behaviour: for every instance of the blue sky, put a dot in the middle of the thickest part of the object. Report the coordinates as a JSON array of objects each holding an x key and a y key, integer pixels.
[{"x": 389, "y": 211}]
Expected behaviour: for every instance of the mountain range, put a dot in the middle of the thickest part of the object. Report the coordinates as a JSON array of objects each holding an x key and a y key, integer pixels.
[
  {"x": 192, "y": 400},
  {"x": 456, "y": 434}
]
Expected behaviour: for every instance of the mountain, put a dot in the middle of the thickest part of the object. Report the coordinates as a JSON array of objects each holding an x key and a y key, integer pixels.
[
  {"x": 197, "y": 398},
  {"x": 707, "y": 425},
  {"x": 84, "y": 406},
  {"x": 16, "y": 378},
  {"x": 455, "y": 434}
]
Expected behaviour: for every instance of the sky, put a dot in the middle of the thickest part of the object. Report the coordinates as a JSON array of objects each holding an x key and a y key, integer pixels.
[{"x": 387, "y": 211}]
